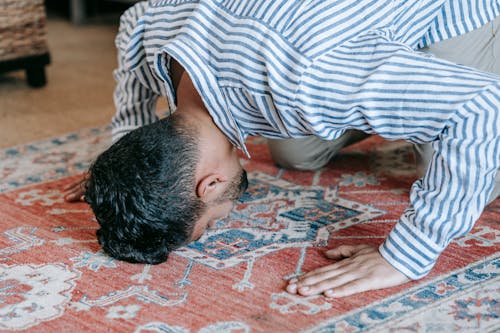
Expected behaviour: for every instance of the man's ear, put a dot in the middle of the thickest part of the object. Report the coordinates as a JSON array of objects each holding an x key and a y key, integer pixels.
[{"x": 208, "y": 186}]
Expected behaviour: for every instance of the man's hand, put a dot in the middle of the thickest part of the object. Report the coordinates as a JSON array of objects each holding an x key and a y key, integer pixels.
[
  {"x": 360, "y": 268},
  {"x": 75, "y": 191}
]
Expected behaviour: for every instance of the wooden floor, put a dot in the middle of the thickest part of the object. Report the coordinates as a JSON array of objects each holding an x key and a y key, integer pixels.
[{"x": 80, "y": 86}]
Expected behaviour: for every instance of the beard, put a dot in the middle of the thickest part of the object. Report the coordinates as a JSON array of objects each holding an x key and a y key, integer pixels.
[{"x": 237, "y": 186}]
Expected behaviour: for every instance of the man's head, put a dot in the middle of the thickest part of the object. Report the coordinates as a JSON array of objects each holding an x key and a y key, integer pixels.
[{"x": 160, "y": 187}]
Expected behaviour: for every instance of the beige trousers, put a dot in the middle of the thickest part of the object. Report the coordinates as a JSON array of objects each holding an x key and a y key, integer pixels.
[{"x": 479, "y": 49}]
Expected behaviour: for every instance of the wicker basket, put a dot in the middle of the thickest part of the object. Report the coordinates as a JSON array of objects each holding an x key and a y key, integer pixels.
[
  {"x": 23, "y": 39},
  {"x": 22, "y": 29}
]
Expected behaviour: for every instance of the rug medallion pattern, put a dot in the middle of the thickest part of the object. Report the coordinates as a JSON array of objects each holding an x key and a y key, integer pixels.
[{"x": 55, "y": 277}]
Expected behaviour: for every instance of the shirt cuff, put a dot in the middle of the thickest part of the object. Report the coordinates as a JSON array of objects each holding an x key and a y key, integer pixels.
[{"x": 409, "y": 250}]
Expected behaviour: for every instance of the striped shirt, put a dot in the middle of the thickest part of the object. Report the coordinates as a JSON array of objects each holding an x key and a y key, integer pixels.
[{"x": 289, "y": 69}]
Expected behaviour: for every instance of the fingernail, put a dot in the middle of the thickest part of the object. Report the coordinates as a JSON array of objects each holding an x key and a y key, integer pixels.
[
  {"x": 329, "y": 293},
  {"x": 293, "y": 281},
  {"x": 292, "y": 288},
  {"x": 306, "y": 289}
]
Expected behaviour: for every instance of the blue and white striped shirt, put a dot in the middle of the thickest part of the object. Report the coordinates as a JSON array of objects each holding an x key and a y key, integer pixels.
[{"x": 284, "y": 68}]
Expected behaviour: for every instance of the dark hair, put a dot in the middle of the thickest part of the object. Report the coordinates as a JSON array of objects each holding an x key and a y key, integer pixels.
[{"x": 142, "y": 192}]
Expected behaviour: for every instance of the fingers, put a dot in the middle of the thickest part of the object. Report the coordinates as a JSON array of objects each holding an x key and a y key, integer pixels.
[
  {"x": 75, "y": 191},
  {"x": 298, "y": 285},
  {"x": 72, "y": 187},
  {"x": 292, "y": 287},
  {"x": 362, "y": 269},
  {"x": 350, "y": 288},
  {"x": 328, "y": 268},
  {"x": 73, "y": 196},
  {"x": 327, "y": 278},
  {"x": 345, "y": 251},
  {"x": 340, "y": 286}
]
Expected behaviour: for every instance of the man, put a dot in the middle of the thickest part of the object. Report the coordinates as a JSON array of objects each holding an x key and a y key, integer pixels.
[{"x": 287, "y": 69}]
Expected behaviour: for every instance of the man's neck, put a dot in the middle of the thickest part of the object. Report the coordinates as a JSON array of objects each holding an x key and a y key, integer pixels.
[
  {"x": 216, "y": 148},
  {"x": 188, "y": 97},
  {"x": 177, "y": 71}
]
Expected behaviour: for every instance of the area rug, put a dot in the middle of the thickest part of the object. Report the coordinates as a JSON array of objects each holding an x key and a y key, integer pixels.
[{"x": 54, "y": 276}]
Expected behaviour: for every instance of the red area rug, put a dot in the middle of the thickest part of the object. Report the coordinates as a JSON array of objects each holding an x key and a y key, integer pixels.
[{"x": 55, "y": 278}]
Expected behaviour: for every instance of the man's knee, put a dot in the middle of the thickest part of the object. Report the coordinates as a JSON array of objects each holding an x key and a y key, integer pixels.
[
  {"x": 423, "y": 156},
  {"x": 496, "y": 188},
  {"x": 310, "y": 153},
  {"x": 478, "y": 48},
  {"x": 298, "y": 154}
]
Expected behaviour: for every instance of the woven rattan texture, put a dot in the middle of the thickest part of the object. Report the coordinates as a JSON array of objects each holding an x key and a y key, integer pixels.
[{"x": 23, "y": 30}]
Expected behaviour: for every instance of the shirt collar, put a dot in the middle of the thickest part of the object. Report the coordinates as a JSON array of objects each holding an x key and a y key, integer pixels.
[{"x": 204, "y": 81}]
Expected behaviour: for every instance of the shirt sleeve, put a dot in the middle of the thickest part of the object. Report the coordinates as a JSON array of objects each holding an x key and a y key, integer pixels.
[
  {"x": 380, "y": 86},
  {"x": 134, "y": 98},
  {"x": 451, "y": 196},
  {"x": 135, "y": 104}
]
